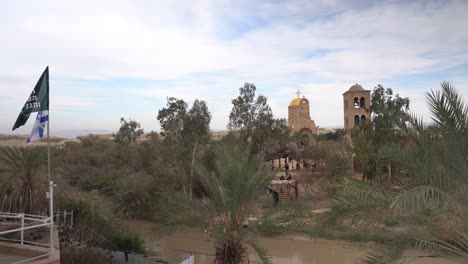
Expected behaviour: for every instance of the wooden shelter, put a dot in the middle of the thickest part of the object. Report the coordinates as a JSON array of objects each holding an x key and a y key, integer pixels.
[{"x": 286, "y": 189}]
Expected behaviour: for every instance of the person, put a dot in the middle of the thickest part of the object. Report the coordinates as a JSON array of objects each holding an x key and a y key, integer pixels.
[
  {"x": 289, "y": 177},
  {"x": 286, "y": 166},
  {"x": 282, "y": 178},
  {"x": 275, "y": 197},
  {"x": 298, "y": 167}
]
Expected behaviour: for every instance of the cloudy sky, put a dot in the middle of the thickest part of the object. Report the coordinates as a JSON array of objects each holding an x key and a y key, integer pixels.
[{"x": 112, "y": 59}]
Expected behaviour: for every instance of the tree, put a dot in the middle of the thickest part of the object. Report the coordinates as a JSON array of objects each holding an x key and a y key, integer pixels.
[
  {"x": 25, "y": 167},
  {"x": 253, "y": 119},
  {"x": 184, "y": 131},
  {"x": 338, "y": 135},
  {"x": 196, "y": 131},
  {"x": 172, "y": 118},
  {"x": 338, "y": 167},
  {"x": 128, "y": 132},
  {"x": 435, "y": 160},
  {"x": 388, "y": 113},
  {"x": 235, "y": 192}
]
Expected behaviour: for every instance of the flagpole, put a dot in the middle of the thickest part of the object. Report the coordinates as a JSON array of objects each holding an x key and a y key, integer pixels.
[
  {"x": 48, "y": 147},
  {"x": 51, "y": 184}
]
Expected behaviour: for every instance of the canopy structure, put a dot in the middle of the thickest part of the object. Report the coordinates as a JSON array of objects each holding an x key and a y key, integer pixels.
[{"x": 286, "y": 189}]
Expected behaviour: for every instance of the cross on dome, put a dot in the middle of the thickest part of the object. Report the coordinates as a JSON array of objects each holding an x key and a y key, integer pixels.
[{"x": 298, "y": 93}]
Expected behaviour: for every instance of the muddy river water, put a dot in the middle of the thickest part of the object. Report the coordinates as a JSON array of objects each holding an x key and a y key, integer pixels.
[{"x": 282, "y": 250}]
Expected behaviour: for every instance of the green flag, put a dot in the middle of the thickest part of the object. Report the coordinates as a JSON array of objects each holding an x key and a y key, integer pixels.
[{"x": 37, "y": 101}]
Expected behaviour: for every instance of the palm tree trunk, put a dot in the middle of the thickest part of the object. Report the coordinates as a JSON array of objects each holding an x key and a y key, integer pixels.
[{"x": 231, "y": 252}]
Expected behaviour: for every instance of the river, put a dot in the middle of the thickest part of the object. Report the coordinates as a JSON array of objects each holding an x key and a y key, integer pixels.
[{"x": 282, "y": 250}]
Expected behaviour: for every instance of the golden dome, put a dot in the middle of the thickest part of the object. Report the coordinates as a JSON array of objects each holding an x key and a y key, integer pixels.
[{"x": 295, "y": 102}]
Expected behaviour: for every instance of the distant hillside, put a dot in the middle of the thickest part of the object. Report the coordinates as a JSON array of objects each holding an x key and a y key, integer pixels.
[
  {"x": 77, "y": 133},
  {"x": 20, "y": 140}
]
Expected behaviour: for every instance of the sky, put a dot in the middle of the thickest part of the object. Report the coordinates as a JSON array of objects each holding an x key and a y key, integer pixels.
[{"x": 123, "y": 58}]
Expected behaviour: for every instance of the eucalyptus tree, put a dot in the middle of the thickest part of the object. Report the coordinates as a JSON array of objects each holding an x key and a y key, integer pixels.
[
  {"x": 23, "y": 170},
  {"x": 129, "y": 132},
  {"x": 435, "y": 160},
  {"x": 184, "y": 130},
  {"x": 235, "y": 210},
  {"x": 251, "y": 117},
  {"x": 388, "y": 114}
]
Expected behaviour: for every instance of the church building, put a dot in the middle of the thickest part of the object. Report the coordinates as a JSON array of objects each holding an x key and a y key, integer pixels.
[{"x": 299, "y": 116}]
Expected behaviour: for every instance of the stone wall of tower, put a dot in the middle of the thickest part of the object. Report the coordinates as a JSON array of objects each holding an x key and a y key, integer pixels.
[
  {"x": 292, "y": 113},
  {"x": 356, "y": 114},
  {"x": 304, "y": 109}
]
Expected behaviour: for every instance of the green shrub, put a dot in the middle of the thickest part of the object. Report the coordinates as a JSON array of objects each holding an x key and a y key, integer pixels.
[
  {"x": 391, "y": 222},
  {"x": 135, "y": 194},
  {"x": 91, "y": 212},
  {"x": 128, "y": 241},
  {"x": 97, "y": 180}
]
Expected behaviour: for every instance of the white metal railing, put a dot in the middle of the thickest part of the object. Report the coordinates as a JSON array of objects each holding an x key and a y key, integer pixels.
[
  {"x": 30, "y": 221},
  {"x": 27, "y": 222}
]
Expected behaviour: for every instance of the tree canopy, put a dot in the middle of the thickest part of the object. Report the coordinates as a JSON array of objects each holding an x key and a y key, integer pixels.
[
  {"x": 129, "y": 132},
  {"x": 184, "y": 131},
  {"x": 388, "y": 114},
  {"x": 253, "y": 119}
]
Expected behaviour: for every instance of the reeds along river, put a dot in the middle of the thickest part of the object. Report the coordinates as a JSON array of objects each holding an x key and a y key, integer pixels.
[{"x": 282, "y": 250}]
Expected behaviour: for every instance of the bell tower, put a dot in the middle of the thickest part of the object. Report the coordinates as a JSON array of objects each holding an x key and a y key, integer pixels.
[{"x": 356, "y": 105}]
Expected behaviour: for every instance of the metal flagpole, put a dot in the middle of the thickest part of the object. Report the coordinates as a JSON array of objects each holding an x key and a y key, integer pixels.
[
  {"x": 48, "y": 146},
  {"x": 51, "y": 183}
]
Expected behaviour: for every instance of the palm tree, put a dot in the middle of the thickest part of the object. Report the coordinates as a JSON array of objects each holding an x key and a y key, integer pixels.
[
  {"x": 25, "y": 187},
  {"x": 435, "y": 159},
  {"x": 234, "y": 197}
]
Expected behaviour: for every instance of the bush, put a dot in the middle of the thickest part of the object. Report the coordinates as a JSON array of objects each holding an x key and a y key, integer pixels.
[
  {"x": 338, "y": 167},
  {"x": 94, "y": 225},
  {"x": 128, "y": 241},
  {"x": 135, "y": 194},
  {"x": 97, "y": 180},
  {"x": 391, "y": 222}
]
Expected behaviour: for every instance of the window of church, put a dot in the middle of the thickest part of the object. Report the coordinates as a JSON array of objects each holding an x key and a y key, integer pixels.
[
  {"x": 356, "y": 120},
  {"x": 363, "y": 119},
  {"x": 356, "y": 102},
  {"x": 362, "y": 102}
]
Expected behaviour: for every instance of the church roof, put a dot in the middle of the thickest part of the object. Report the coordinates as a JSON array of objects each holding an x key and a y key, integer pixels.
[
  {"x": 356, "y": 88},
  {"x": 295, "y": 102}
]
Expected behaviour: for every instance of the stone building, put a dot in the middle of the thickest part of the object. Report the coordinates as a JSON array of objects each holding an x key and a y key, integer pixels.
[
  {"x": 356, "y": 105},
  {"x": 299, "y": 116}
]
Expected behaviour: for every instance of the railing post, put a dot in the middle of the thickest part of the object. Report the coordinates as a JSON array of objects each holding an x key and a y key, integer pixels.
[
  {"x": 65, "y": 216},
  {"x": 22, "y": 229}
]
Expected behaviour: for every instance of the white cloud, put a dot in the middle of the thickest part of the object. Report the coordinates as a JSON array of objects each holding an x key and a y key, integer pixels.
[{"x": 269, "y": 43}]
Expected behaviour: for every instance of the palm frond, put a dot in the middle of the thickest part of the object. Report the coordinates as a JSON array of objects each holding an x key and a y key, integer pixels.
[
  {"x": 442, "y": 247},
  {"x": 387, "y": 255},
  {"x": 261, "y": 252},
  {"x": 418, "y": 199},
  {"x": 24, "y": 166},
  {"x": 359, "y": 203},
  {"x": 176, "y": 211},
  {"x": 285, "y": 218}
]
